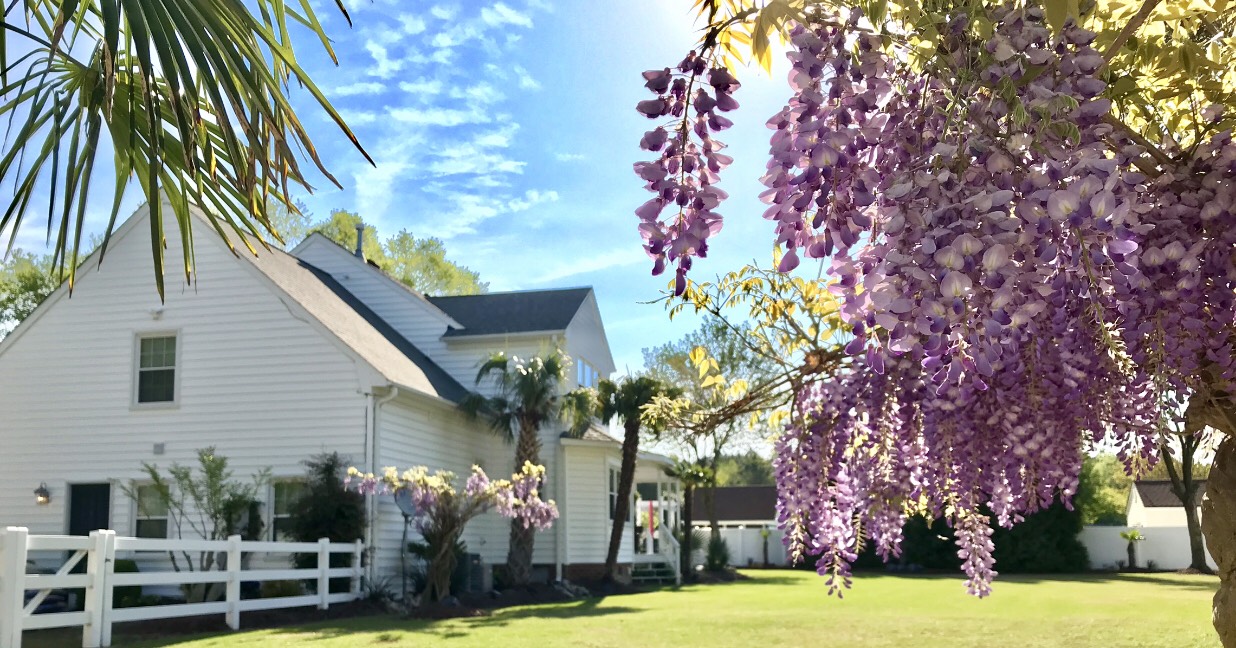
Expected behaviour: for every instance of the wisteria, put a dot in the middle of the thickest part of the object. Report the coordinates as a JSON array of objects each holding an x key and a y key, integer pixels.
[
  {"x": 685, "y": 176},
  {"x": 1022, "y": 278},
  {"x": 442, "y": 512}
]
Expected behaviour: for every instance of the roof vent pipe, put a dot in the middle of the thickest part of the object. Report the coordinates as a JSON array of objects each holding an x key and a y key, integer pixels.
[{"x": 360, "y": 241}]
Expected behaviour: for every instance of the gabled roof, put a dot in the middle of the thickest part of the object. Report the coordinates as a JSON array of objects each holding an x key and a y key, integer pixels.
[
  {"x": 1157, "y": 493},
  {"x": 738, "y": 503},
  {"x": 358, "y": 327},
  {"x": 532, "y": 311}
]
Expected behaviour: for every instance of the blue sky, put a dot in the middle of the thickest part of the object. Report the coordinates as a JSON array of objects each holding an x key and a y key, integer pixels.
[{"x": 508, "y": 129}]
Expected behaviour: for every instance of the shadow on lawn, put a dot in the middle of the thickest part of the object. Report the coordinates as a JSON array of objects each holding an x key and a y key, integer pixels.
[{"x": 1160, "y": 579}]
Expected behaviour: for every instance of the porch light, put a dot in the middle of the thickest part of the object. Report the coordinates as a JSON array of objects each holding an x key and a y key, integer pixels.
[{"x": 42, "y": 496}]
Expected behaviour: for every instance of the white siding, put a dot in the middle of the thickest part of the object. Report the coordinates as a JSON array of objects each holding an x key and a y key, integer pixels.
[
  {"x": 263, "y": 386},
  {"x": 585, "y": 339},
  {"x": 587, "y": 502}
]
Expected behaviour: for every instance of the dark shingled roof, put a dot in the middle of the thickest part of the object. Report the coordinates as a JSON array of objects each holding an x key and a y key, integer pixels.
[
  {"x": 1158, "y": 493},
  {"x": 512, "y": 312},
  {"x": 737, "y": 503}
]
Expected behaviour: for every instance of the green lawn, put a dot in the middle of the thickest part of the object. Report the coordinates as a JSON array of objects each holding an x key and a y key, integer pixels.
[{"x": 792, "y": 609}]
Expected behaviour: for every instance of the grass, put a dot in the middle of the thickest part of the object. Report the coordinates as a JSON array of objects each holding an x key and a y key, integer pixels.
[{"x": 793, "y": 609}]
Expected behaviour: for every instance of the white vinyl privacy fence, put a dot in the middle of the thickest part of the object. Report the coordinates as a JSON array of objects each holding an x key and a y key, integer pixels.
[{"x": 98, "y": 579}]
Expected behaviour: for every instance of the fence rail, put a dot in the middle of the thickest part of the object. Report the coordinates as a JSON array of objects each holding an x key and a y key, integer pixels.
[{"x": 99, "y": 580}]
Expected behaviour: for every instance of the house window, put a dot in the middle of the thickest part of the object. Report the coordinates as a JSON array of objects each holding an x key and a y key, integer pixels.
[
  {"x": 156, "y": 369},
  {"x": 285, "y": 495},
  {"x": 586, "y": 375},
  {"x": 151, "y": 513},
  {"x": 613, "y": 491}
]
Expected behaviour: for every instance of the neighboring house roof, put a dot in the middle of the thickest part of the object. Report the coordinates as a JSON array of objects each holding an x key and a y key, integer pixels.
[
  {"x": 737, "y": 504},
  {"x": 530, "y": 311},
  {"x": 1158, "y": 493},
  {"x": 358, "y": 327},
  {"x": 592, "y": 434}
]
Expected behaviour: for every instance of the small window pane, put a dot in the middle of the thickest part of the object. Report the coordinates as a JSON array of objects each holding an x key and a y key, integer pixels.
[
  {"x": 149, "y": 503},
  {"x": 156, "y": 386},
  {"x": 286, "y": 494},
  {"x": 153, "y": 528}
]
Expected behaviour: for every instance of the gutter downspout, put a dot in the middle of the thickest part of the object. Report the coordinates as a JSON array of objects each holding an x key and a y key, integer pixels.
[
  {"x": 371, "y": 460},
  {"x": 560, "y": 528}
]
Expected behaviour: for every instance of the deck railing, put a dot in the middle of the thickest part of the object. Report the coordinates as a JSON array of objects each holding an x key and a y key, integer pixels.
[{"x": 99, "y": 550}]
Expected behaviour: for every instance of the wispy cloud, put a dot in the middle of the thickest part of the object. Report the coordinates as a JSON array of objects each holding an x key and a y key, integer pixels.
[
  {"x": 412, "y": 24},
  {"x": 385, "y": 65},
  {"x": 570, "y": 157},
  {"x": 439, "y": 116},
  {"x": 618, "y": 257},
  {"x": 421, "y": 87},
  {"x": 532, "y": 198},
  {"x": 358, "y": 88},
  {"x": 500, "y": 14}
]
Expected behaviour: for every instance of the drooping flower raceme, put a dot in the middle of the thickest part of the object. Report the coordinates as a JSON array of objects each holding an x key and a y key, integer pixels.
[
  {"x": 684, "y": 176},
  {"x": 1021, "y": 279}
]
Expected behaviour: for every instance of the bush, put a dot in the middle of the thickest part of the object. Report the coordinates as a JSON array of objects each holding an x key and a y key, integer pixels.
[
  {"x": 1044, "y": 543},
  {"x": 126, "y": 595},
  {"x": 326, "y": 509},
  {"x": 717, "y": 557},
  {"x": 281, "y": 588}
]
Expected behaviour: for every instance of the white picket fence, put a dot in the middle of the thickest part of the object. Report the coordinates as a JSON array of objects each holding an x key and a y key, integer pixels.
[{"x": 99, "y": 551}]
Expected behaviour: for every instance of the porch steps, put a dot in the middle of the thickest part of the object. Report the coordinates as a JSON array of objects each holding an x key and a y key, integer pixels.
[{"x": 652, "y": 572}]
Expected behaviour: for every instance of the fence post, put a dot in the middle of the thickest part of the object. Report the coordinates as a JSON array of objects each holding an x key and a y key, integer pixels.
[
  {"x": 109, "y": 569},
  {"x": 357, "y": 552},
  {"x": 96, "y": 561},
  {"x": 233, "y": 582},
  {"x": 323, "y": 571},
  {"x": 12, "y": 585}
]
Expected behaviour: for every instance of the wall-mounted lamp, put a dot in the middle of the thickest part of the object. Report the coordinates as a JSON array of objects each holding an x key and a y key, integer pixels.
[{"x": 42, "y": 496}]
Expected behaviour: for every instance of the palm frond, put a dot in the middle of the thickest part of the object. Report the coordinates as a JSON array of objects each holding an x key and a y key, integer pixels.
[{"x": 191, "y": 95}]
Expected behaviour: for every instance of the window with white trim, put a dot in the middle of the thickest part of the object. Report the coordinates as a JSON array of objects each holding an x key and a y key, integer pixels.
[
  {"x": 586, "y": 375},
  {"x": 614, "y": 477},
  {"x": 151, "y": 513},
  {"x": 156, "y": 369},
  {"x": 283, "y": 501}
]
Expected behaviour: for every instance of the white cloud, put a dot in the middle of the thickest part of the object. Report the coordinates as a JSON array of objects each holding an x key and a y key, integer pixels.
[
  {"x": 570, "y": 157},
  {"x": 422, "y": 86},
  {"x": 482, "y": 93},
  {"x": 438, "y": 116},
  {"x": 358, "y": 88},
  {"x": 532, "y": 198},
  {"x": 525, "y": 79},
  {"x": 623, "y": 256},
  {"x": 375, "y": 184},
  {"x": 386, "y": 66},
  {"x": 442, "y": 12},
  {"x": 412, "y": 25},
  {"x": 358, "y": 117},
  {"x": 500, "y": 14}
]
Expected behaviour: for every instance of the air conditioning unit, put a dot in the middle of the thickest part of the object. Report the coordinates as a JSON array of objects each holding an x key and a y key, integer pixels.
[{"x": 478, "y": 576}]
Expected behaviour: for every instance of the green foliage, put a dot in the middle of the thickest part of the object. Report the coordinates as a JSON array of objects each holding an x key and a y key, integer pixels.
[
  {"x": 25, "y": 281},
  {"x": 1132, "y": 535},
  {"x": 206, "y": 503},
  {"x": 421, "y": 264},
  {"x": 746, "y": 469},
  {"x": 126, "y": 595},
  {"x": 717, "y": 556},
  {"x": 282, "y": 588},
  {"x": 1102, "y": 491},
  {"x": 327, "y": 509},
  {"x": 1044, "y": 543},
  {"x": 433, "y": 545}
]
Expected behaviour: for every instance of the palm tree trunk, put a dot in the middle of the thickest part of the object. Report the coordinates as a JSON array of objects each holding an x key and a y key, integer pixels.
[
  {"x": 523, "y": 538},
  {"x": 622, "y": 508}
]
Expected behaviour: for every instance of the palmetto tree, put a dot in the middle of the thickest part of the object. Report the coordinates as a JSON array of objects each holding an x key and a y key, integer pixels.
[
  {"x": 527, "y": 396},
  {"x": 625, "y": 400},
  {"x": 190, "y": 96}
]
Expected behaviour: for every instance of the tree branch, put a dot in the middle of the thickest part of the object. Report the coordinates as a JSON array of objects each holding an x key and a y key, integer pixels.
[{"x": 1127, "y": 33}]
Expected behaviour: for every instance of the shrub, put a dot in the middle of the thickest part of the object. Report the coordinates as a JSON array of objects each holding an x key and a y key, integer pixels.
[
  {"x": 327, "y": 509},
  {"x": 126, "y": 595},
  {"x": 718, "y": 556}
]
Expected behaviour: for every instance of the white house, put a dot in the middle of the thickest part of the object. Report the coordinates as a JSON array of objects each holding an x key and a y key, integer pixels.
[
  {"x": 1154, "y": 510},
  {"x": 274, "y": 358}
]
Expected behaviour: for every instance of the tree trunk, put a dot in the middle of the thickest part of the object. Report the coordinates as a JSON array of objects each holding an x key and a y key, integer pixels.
[
  {"x": 1219, "y": 527},
  {"x": 1132, "y": 551},
  {"x": 523, "y": 538},
  {"x": 622, "y": 507},
  {"x": 710, "y": 501},
  {"x": 684, "y": 551},
  {"x": 1197, "y": 550}
]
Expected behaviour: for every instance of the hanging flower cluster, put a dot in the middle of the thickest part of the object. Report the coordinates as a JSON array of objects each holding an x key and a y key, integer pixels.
[
  {"x": 1021, "y": 278},
  {"x": 684, "y": 176}
]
